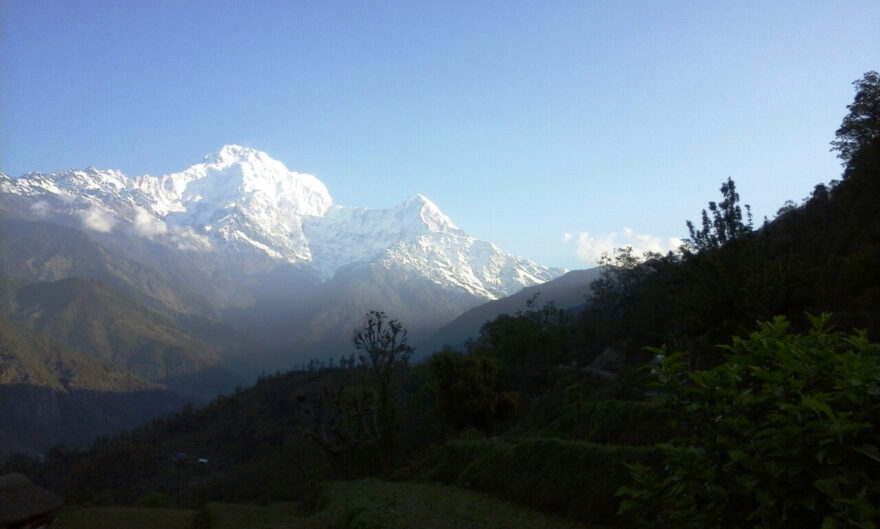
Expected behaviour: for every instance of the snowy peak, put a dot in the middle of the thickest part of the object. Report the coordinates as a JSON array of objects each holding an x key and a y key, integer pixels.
[
  {"x": 236, "y": 175},
  {"x": 240, "y": 202},
  {"x": 244, "y": 197},
  {"x": 231, "y": 154},
  {"x": 91, "y": 181},
  {"x": 419, "y": 208}
]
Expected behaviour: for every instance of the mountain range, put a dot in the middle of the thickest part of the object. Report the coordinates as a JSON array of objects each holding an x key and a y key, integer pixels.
[
  {"x": 242, "y": 206},
  {"x": 199, "y": 280}
]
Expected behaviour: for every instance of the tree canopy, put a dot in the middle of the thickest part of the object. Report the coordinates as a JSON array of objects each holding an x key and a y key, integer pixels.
[{"x": 861, "y": 127}]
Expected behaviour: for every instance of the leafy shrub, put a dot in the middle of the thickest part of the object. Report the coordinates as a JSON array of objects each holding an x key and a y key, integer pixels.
[
  {"x": 465, "y": 392},
  {"x": 615, "y": 422},
  {"x": 784, "y": 433},
  {"x": 570, "y": 478}
]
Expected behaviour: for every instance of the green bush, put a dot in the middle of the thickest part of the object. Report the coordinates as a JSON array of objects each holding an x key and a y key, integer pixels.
[
  {"x": 784, "y": 433},
  {"x": 465, "y": 391},
  {"x": 570, "y": 478},
  {"x": 614, "y": 422}
]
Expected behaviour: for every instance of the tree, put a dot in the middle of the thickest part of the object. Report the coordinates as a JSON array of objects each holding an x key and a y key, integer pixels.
[
  {"x": 726, "y": 223},
  {"x": 339, "y": 421},
  {"x": 525, "y": 345},
  {"x": 382, "y": 351},
  {"x": 464, "y": 390},
  {"x": 861, "y": 127},
  {"x": 621, "y": 273},
  {"x": 783, "y": 434}
]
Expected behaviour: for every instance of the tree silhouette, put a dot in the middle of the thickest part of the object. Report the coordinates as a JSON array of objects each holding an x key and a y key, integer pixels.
[
  {"x": 726, "y": 223},
  {"x": 861, "y": 127},
  {"x": 383, "y": 350}
]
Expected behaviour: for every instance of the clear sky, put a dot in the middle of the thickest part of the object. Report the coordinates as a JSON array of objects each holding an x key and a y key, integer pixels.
[{"x": 551, "y": 128}]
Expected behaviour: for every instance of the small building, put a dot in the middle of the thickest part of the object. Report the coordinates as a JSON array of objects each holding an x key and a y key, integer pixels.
[{"x": 24, "y": 505}]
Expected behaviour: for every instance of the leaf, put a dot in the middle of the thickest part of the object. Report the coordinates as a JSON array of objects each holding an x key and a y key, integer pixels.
[
  {"x": 829, "y": 487},
  {"x": 818, "y": 406},
  {"x": 869, "y": 450},
  {"x": 626, "y": 506},
  {"x": 830, "y": 523}
]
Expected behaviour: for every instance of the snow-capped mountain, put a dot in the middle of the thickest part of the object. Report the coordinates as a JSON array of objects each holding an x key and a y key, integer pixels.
[{"x": 241, "y": 201}]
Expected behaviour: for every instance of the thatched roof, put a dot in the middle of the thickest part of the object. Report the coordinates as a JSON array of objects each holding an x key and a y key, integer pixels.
[{"x": 21, "y": 499}]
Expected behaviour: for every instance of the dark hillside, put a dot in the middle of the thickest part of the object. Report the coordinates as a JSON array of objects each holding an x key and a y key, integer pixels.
[
  {"x": 821, "y": 256},
  {"x": 52, "y": 394},
  {"x": 92, "y": 317}
]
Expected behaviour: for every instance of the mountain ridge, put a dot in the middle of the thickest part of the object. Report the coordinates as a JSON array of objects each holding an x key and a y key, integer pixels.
[{"x": 240, "y": 200}]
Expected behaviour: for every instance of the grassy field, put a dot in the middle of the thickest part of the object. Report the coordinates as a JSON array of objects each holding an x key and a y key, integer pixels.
[
  {"x": 125, "y": 518},
  {"x": 368, "y": 504},
  {"x": 361, "y": 504}
]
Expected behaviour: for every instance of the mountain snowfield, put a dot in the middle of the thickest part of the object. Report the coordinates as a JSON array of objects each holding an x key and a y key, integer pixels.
[{"x": 241, "y": 201}]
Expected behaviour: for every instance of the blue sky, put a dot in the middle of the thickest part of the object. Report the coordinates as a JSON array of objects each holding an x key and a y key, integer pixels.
[{"x": 551, "y": 128}]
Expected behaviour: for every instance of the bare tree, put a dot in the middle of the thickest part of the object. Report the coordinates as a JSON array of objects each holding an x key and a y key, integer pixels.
[{"x": 383, "y": 350}]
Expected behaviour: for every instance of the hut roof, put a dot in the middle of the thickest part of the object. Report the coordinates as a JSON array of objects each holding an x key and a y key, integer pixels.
[{"x": 21, "y": 499}]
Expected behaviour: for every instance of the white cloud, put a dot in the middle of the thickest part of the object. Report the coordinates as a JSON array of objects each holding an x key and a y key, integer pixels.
[
  {"x": 97, "y": 219},
  {"x": 589, "y": 248},
  {"x": 187, "y": 240},
  {"x": 41, "y": 208},
  {"x": 147, "y": 225}
]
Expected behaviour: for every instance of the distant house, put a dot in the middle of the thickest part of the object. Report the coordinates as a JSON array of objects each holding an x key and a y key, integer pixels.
[{"x": 24, "y": 505}]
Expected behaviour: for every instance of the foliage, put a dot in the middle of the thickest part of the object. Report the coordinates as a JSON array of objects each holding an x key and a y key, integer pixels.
[
  {"x": 726, "y": 224},
  {"x": 616, "y": 422},
  {"x": 861, "y": 127},
  {"x": 465, "y": 391},
  {"x": 784, "y": 433},
  {"x": 370, "y": 503},
  {"x": 128, "y": 517},
  {"x": 572, "y": 478},
  {"x": 383, "y": 351},
  {"x": 525, "y": 345},
  {"x": 341, "y": 421},
  {"x": 621, "y": 272},
  {"x": 236, "y": 516},
  {"x": 616, "y": 312}
]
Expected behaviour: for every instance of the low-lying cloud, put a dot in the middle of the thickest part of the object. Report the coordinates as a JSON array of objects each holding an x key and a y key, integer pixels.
[
  {"x": 41, "y": 208},
  {"x": 589, "y": 248},
  {"x": 147, "y": 225},
  {"x": 98, "y": 219}
]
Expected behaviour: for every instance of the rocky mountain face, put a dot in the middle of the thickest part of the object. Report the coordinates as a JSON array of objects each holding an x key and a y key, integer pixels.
[{"x": 243, "y": 240}]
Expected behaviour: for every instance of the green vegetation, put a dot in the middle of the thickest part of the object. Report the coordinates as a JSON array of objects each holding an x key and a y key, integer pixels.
[
  {"x": 574, "y": 478},
  {"x": 236, "y": 516},
  {"x": 359, "y": 504},
  {"x": 465, "y": 390},
  {"x": 379, "y": 504},
  {"x": 384, "y": 352},
  {"x": 860, "y": 130},
  {"x": 784, "y": 433},
  {"x": 127, "y": 517},
  {"x": 558, "y": 411}
]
